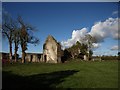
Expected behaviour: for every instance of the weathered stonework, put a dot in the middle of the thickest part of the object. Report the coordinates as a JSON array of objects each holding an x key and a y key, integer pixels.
[
  {"x": 51, "y": 50},
  {"x": 33, "y": 57}
]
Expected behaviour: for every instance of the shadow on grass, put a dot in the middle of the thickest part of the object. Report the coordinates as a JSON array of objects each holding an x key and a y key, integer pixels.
[{"x": 46, "y": 80}]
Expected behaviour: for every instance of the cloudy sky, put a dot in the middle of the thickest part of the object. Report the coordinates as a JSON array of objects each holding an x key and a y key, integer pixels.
[{"x": 70, "y": 22}]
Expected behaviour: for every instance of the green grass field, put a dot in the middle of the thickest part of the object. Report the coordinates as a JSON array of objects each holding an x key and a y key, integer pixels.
[{"x": 75, "y": 74}]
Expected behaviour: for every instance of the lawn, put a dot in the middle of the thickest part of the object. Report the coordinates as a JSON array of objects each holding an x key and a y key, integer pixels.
[{"x": 74, "y": 74}]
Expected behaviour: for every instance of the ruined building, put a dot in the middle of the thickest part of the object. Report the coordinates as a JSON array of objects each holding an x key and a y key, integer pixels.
[
  {"x": 33, "y": 57},
  {"x": 51, "y": 50}
]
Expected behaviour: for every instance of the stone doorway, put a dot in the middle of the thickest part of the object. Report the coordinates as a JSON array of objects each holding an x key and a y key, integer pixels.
[{"x": 45, "y": 58}]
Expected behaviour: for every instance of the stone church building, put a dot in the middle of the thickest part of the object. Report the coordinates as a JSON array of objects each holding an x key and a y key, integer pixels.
[{"x": 51, "y": 52}]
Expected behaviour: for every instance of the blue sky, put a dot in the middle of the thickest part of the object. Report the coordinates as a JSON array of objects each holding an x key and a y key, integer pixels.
[{"x": 60, "y": 19}]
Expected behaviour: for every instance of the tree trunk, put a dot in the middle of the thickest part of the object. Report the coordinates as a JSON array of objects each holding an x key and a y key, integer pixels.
[
  {"x": 15, "y": 53},
  {"x": 16, "y": 49},
  {"x": 15, "y": 56},
  {"x": 23, "y": 56},
  {"x": 23, "y": 46},
  {"x": 10, "y": 53}
]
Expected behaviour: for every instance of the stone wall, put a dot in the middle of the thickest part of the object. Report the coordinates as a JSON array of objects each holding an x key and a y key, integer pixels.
[
  {"x": 50, "y": 50},
  {"x": 33, "y": 57}
]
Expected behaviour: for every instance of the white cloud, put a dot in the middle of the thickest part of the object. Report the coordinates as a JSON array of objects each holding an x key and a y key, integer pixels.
[
  {"x": 96, "y": 45},
  {"x": 100, "y": 30},
  {"x": 77, "y": 35},
  {"x": 115, "y": 12},
  {"x": 116, "y": 47}
]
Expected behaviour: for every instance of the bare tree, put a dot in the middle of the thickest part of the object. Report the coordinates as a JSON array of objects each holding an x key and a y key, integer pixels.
[
  {"x": 16, "y": 39},
  {"x": 26, "y": 37},
  {"x": 17, "y": 32},
  {"x": 7, "y": 31}
]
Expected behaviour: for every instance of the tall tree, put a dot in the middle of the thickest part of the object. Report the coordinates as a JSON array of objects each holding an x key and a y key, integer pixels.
[
  {"x": 75, "y": 50},
  {"x": 118, "y": 55},
  {"x": 89, "y": 42},
  {"x": 16, "y": 39},
  {"x": 26, "y": 37},
  {"x": 84, "y": 49},
  {"x": 8, "y": 27},
  {"x": 66, "y": 55}
]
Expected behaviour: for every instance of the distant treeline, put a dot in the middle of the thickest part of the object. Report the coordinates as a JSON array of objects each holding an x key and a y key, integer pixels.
[{"x": 108, "y": 57}]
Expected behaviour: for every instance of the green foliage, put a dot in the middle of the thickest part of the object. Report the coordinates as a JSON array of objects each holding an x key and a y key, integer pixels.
[
  {"x": 78, "y": 50},
  {"x": 75, "y": 74},
  {"x": 66, "y": 55},
  {"x": 84, "y": 49},
  {"x": 118, "y": 55},
  {"x": 109, "y": 57}
]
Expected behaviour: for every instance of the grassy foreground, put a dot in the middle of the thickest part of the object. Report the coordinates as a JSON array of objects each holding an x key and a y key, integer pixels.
[{"x": 76, "y": 74}]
